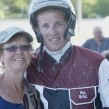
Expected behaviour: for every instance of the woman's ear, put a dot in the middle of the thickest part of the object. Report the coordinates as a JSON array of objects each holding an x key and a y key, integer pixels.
[
  {"x": 1, "y": 55},
  {"x": 2, "y": 67},
  {"x": 1, "y": 59}
]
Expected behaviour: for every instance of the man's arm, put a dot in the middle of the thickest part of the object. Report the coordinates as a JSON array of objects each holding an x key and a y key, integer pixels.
[
  {"x": 104, "y": 83},
  {"x": 105, "y": 53}
]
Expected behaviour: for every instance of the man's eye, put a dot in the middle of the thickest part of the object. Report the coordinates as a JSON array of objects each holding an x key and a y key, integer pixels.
[
  {"x": 59, "y": 24},
  {"x": 45, "y": 26}
]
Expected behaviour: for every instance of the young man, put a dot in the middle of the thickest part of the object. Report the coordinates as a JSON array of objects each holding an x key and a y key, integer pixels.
[{"x": 66, "y": 76}]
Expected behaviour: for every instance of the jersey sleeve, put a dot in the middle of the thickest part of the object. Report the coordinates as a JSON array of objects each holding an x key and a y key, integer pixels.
[{"x": 104, "y": 83}]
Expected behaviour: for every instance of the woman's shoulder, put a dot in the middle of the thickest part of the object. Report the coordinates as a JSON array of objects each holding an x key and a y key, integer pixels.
[
  {"x": 8, "y": 105},
  {"x": 1, "y": 77},
  {"x": 1, "y": 83}
]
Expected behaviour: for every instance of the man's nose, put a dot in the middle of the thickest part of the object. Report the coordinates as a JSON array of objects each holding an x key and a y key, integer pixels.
[{"x": 53, "y": 30}]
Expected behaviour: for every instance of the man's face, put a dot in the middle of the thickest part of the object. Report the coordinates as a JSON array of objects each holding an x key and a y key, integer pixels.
[
  {"x": 97, "y": 34},
  {"x": 52, "y": 25}
]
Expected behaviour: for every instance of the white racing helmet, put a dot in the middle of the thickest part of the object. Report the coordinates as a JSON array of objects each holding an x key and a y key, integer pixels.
[{"x": 65, "y": 5}]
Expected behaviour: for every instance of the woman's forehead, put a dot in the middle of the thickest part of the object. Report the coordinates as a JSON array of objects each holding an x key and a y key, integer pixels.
[{"x": 17, "y": 40}]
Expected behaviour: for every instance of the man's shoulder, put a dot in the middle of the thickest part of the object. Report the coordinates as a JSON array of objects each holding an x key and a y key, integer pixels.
[
  {"x": 106, "y": 38},
  {"x": 88, "y": 53},
  {"x": 88, "y": 43},
  {"x": 36, "y": 54},
  {"x": 90, "y": 40}
]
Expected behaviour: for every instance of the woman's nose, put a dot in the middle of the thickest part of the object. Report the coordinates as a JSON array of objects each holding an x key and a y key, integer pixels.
[{"x": 19, "y": 51}]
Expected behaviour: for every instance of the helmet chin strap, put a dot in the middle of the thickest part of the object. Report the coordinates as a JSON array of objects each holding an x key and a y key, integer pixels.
[
  {"x": 40, "y": 59},
  {"x": 68, "y": 30}
]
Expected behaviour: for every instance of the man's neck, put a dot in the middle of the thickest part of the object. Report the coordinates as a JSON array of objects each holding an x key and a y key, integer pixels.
[{"x": 58, "y": 54}]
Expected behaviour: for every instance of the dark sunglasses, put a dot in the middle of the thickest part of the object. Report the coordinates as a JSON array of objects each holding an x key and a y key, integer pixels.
[{"x": 14, "y": 48}]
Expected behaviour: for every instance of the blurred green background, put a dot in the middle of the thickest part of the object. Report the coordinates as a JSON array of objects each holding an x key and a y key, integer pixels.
[{"x": 19, "y": 8}]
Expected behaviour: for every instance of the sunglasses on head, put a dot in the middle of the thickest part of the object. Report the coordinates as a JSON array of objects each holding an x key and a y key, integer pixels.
[{"x": 14, "y": 48}]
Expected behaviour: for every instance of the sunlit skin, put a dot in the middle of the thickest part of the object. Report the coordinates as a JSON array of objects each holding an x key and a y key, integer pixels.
[
  {"x": 15, "y": 64},
  {"x": 16, "y": 61},
  {"x": 52, "y": 26}
]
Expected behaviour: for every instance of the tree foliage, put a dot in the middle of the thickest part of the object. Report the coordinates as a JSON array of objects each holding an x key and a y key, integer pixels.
[
  {"x": 95, "y": 8},
  {"x": 13, "y": 8},
  {"x": 19, "y": 8}
]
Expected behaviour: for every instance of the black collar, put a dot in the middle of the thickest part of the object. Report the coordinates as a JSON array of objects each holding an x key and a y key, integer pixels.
[{"x": 64, "y": 56}]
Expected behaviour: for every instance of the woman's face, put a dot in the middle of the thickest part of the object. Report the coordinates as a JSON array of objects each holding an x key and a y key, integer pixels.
[
  {"x": 52, "y": 25},
  {"x": 16, "y": 59}
]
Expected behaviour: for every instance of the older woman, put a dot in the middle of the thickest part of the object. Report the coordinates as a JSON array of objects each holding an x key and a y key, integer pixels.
[{"x": 15, "y": 57}]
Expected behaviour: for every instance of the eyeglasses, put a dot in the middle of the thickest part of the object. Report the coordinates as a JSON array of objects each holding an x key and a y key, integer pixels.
[{"x": 14, "y": 48}]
